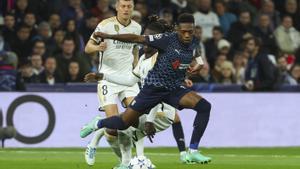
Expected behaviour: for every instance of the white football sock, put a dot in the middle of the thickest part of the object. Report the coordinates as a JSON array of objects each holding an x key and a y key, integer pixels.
[
  {"x": 125, "y": 147},
  {"x": 97, "y": 136},
  {"x": 140, "y": 147},
  {"x": 114, "y": 144}
]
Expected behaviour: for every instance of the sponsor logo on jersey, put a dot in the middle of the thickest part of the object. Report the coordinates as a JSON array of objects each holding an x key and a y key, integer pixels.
[{"x": 178, "y": 65}]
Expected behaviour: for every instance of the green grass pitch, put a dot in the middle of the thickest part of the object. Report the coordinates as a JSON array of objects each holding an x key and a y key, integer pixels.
[{"x": 163, "y": 158}]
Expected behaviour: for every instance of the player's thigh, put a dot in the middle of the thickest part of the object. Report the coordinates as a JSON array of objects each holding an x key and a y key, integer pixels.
[
  {"x": 189, "y": 100},
  {"x": 128, "y": 94},
  {"x": 107, "y": 95},
  {"x": 148, "y": 97}
]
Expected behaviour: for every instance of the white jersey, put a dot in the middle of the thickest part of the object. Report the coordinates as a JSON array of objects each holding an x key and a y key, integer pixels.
[
  {"x": 163, "y": 114},
  {"x": 118, "y": 57}
]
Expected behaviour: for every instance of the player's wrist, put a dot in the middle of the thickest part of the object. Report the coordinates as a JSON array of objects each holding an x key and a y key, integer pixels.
[{"x": 99, "y": 76}]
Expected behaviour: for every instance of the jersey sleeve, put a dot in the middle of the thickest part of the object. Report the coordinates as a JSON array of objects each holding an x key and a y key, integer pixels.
[
  {"x": 158, "y": 41},
  {"x": 99, "y": 28},
  {"x": 136, "y": 70}
]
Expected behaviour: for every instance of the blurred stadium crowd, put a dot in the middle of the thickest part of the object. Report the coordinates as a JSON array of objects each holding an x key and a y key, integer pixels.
[{"x": 247, "y": 42}]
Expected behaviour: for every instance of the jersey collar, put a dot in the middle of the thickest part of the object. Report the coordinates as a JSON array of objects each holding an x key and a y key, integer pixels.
[{"x": 122, "y": 24}]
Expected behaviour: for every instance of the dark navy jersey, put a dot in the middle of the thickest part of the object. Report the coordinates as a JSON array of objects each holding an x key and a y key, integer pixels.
[{"x": 173, "y": 59}]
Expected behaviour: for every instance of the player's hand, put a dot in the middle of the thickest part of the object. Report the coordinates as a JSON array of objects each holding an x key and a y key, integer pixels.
[
  {"x": 150, "y": 130},
  {"x": 100, "y": 35},
  {"x": 188, "y": 83},
  {"x": 194, "y": 69},
  {"x": 93, "y": 77},
  {"x": 102, "y": 46}
]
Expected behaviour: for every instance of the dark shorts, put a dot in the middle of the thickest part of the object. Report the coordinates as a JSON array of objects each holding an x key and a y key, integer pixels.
[{"x": 150, "y": 96}]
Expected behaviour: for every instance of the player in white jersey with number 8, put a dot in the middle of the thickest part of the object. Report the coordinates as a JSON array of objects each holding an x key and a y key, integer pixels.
[{"x": 117, "y": 58}]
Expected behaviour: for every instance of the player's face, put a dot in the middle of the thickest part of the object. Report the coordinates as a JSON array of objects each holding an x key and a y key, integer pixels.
[
  {"x": 124, "y": 9},
  {"x": 186, "y": 32}
]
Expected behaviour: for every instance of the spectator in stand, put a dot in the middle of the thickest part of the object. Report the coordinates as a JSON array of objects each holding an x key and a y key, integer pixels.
[
  {"x": 21, "y": 8},
  {"x": 73, "y": 10},
  {"x": 203, "y": 75},
  {"x": 225, "y": 18},
  {"x": 211, "y": 45},
  {"x": 284, "y": 75},
  {"x": 102, "y": 10},
  {"x": 137, "y": 16},
  {"x": 88, "y": 28},
  {"x": 295, "y": 72},
  {"x": 206, "y": 18},
  {"x": 8, "y": 31},
  {"x": 291, "y": 9},
  {"x": 58, "y": 38},
  {"x": 287, "y": 37},
  {"x": 69, "y": 54},
  {"x": 74, "y": 76},
  {"x": 224, "y": 47},
  {"x": 236, "y": 6},
  {"x": 260, "y": 74},
  {"x": 39, "y": 48},
  {"x": 30, "y": 21},
  {"x": 45, "y": 34},
  {"x": 37, "y": 64},
  {"x": 240, "y": 29},
  {"x": 4, "y": 46},
  {"x": 141, "y": 6},
  {"x": 180, "y": 6},
  {"x": 217, "y": 70},
  {"x": 51, "y": 75},
  {"x": 227, "y": 73},
  {"x": 10, "y": 79},
  {"x": 71, "y": 30},
  {"x": 263, "y": 30},
  {"x": 198, "y": 35},
  {"x": 268, "y": 9},
  {"x": 167, "y": 15},
  {"x": 54, "y": 21},
  {"x": 22, "y": 44},
  {"x": 239, "y": 66},
  {"x": 27, "y": 74}
]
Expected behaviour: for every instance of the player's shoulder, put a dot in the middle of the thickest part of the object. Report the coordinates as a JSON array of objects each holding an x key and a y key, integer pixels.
[
  {"x": 108, "y": 21},
  {"x": 135, "y": 25}
]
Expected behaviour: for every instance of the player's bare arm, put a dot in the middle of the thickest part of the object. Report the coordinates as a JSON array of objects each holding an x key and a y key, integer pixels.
[
  {"x": 93, "y": 77},
  {"x": 92, "y": 47},
  {"x": 132, "y": 38}
]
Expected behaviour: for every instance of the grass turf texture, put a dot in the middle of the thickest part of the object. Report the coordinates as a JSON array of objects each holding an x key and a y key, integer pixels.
[{"x": 163, "y": 158}]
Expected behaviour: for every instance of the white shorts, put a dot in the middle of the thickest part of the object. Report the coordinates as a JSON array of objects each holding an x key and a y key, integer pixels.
[
  {"x": 164, "y": 119},
  {"x": 108, "y": 93}
]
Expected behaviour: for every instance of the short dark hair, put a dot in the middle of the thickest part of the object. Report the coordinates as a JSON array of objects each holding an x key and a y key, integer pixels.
[
  {"x": 257, "y": 41},
  {"x": 218, "y": 28},
  {"x": 68, "y": 38},
  {"x": 186, "y": 18}
]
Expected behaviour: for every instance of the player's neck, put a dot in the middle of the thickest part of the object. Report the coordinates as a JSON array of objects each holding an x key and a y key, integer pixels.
[{"x": 122, "y": 21}]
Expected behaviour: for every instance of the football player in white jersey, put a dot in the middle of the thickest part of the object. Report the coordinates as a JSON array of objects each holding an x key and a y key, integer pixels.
[{"x": 116, "y": 59}]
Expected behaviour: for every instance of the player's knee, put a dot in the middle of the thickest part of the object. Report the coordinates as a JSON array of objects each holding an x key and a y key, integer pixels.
[
  {"x": 110, "y": 137},
  {"x": 111, "y": 132},
  {"x": 203, "y": 106}
]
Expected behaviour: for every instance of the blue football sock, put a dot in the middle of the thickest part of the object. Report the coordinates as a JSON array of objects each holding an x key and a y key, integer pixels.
[{"x": 203, "y": 108}]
